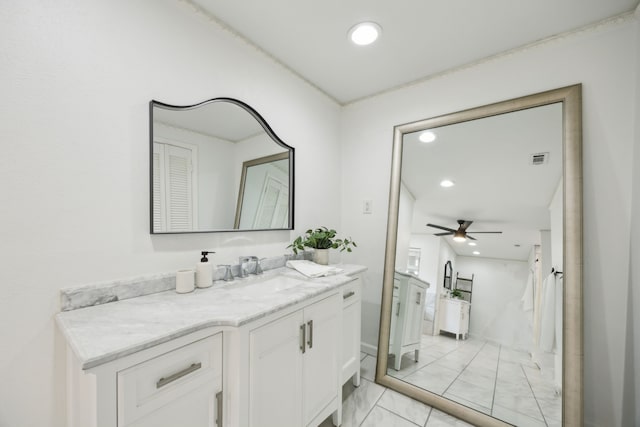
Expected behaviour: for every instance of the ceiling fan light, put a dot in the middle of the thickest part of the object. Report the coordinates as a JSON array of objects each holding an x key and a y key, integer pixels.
[
  {"x": 458, "y": 236},
  {"x": 446, "y": 183}
]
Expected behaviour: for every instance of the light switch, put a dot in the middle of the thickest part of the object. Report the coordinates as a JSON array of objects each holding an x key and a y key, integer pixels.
[{"x": 367, "y": 207}]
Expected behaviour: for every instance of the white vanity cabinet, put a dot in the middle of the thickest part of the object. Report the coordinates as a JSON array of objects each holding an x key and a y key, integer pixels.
[
  {"x": 293, "y": 368},
  {"x": 409, "y": 296},
  {"x": 350, "y": 351},
  {"x": 454, "y": 316},
  {"x": 282, "y": 346}
]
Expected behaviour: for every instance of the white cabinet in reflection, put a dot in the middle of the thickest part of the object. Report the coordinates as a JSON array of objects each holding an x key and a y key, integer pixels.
[
  {"x": 454, "y": 316},
  {"x": 409, "y": 293}
]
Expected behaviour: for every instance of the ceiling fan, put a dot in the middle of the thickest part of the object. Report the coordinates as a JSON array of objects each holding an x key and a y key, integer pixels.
[{"x": 461, "y": 234}]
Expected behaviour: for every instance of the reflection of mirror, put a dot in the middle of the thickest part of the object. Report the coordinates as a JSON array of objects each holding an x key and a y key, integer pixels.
[
  {"x": 448, "y": 271},
  {"x": 514, "y": 354},
  {"x": 200, "y": 155},
  {"x": 263, "y": 198}
]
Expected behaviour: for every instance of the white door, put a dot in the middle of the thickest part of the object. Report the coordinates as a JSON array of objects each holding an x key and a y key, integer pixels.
[
  {"x": 320, "y": 377},
  {"x": 173, "y": 188},
  {"x": 275, "y": 396},
  {"x": 273, "y": 207}
]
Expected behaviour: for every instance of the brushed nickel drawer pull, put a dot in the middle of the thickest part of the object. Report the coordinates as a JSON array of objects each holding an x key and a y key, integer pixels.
[
  {"x": 310, "y": 342},
  {"x": 219, "y": 409},
  {"x": 171, "y": 378},
  {"x": 303, "y": 333},
  {"x": 418, "y": 297},
  {"x": 348, "y": 294}
]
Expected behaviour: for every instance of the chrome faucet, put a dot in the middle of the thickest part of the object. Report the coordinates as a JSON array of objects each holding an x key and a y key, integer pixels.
[
  {"x": 243, "y": 261},
  {"x": 257, "y": 269},
  {"x": 228, "y": 275}
]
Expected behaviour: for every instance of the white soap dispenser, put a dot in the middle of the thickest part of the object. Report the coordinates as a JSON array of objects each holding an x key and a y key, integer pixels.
[{"x": 204, "y": 271}]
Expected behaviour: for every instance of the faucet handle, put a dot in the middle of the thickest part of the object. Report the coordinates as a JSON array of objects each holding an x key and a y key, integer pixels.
[
  {"x": 228, "y": 275},
  {"x": 258, "y": 268}
]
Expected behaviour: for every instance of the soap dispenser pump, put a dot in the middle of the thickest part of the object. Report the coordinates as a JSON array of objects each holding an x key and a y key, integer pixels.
[{"x": 204, "y": 271}]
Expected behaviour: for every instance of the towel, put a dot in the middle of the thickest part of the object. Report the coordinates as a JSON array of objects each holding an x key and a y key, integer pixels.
[
  {"x": 527, "y": 298},
  {"x": 311, "y": 269},
  {"x": 547, "y": 339}
]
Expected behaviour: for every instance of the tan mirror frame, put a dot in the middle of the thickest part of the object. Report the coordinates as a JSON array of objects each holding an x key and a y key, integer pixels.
[{"x": 572, "y": 393}]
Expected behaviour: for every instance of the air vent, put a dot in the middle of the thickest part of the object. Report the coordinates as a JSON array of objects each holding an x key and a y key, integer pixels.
[{"x": 538, "y": 159}]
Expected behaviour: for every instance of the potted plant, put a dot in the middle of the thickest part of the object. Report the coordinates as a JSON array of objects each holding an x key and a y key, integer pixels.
[
  {"x": 456, "y": 294},
  {"x": 321, "y": 240}
]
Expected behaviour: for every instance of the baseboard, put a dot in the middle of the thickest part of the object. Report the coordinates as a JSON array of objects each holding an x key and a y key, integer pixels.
[{"x": 369, "y": 349}]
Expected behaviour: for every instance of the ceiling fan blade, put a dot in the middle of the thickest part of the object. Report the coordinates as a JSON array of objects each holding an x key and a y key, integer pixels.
[
  {"x": 484, "y": 232},
  {"x": 469, "y": 237},
  {"x": 441, "y": 227},
  {"x": 444, "y": 234}
]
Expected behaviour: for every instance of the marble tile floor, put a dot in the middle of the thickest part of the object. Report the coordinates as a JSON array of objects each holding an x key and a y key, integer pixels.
[
  {"x": 372, "y": 405},
  {"x": 489, "y": 378}
]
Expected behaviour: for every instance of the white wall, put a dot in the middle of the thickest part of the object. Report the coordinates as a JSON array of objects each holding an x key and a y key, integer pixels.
[
  {"x": 429, "y": 258},
  {"x": 603, "y": 60},
  {"x": 76, "y": 78},
  {"x": 557, "y": 229},
  {"x": 406, "y": 203},
  {"x": 631, "y": 408},
  {"x": 496, "y": 311}
]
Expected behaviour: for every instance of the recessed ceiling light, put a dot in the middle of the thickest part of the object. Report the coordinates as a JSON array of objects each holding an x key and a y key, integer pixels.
[
  {"x": 364, "y": 33},
  {"x": 476, "y": 253},
  {"x": 427, "y": 136},
  {"x": 447, "y": 183},
  {"x": 472, "y": 243}
]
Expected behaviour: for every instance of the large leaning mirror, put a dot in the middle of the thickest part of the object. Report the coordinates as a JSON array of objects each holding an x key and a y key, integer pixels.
[
  {"x": 217, "y": 166},
  {"x": 489, "y": 328}
]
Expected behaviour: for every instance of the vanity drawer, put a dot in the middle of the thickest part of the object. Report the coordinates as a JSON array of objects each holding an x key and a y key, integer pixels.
[
  {"x": 351, "y": 292},
  {"x": 152, "y": 384}
]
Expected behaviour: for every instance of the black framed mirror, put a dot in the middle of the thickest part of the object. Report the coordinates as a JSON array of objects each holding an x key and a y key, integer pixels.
[
  {"x": 448, "y": 271},
  {"x": 217, "y": 166}
]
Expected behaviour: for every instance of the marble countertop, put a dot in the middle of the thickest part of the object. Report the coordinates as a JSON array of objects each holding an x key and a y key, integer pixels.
[{"x": 106, "y": 332}]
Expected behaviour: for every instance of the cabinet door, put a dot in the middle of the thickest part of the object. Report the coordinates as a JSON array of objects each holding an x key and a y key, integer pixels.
[
  {"x": 350, "y": 339},
  {"x": 275, "y": 373},
  {"x": 321, "y": 372},
  {"x": 414, "y": 312}
]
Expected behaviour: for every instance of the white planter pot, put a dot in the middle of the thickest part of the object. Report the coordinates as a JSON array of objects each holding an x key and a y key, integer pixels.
[{"x": 321, "y": 256}]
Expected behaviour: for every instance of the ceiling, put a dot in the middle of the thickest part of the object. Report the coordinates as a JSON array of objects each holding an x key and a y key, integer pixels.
[
  {"x": 420, "y": 38},
  {"x": 496, "y": 186}
]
